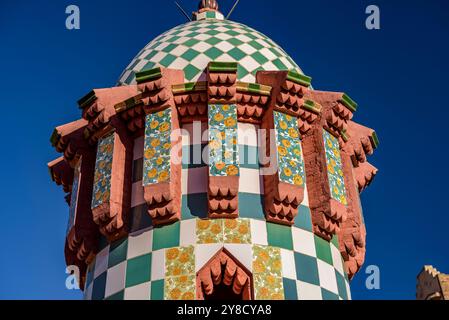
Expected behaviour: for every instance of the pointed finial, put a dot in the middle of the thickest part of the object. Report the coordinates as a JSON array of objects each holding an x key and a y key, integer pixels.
[{"x": 208, "y": 5}]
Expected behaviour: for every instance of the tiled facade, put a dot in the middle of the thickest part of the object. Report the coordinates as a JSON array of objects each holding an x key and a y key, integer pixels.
[
  {"x": 334, "y": 168},
  {"x": 103, "y": 169}
]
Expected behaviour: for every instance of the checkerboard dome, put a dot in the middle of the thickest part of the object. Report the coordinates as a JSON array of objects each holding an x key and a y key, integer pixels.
[{"x": 193, "y": 45}]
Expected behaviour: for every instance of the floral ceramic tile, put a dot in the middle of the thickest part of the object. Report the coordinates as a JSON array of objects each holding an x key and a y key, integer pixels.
[
  {"x": 334, "y": 168},
  {"x": 103, "y": 170},
  {"x": 267, "y": 273},
  {"x": 290, "y": 157},
  {"x": 74, "y": 197},
  {"x": 223, "y": 140},
  {"x": 209, "y": 231},
  {"x": 179, "y": 261},
  {"x": 157, "y": 148},
  {"x": 237, "y": 231},
  {"x": 180, "y": 288}
]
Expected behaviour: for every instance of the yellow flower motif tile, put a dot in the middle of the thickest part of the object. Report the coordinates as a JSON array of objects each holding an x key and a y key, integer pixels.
[
  {"x": 237, "y": 231},
  {"x": 180, "y": 288},
  {"x": 209, "y": 231},
  {"x": 179, "y": 261},
  {"x": 268, "y": 287},
  {"x": 267, "y": 273}
]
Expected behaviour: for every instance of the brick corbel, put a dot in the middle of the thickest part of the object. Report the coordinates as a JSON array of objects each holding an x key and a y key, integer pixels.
[
  {"x": 191, "y": 101},
  {"x": 288, "y": 88},
  {"x": 164, "y": 199},
  {"x": 222, "y": 190}
]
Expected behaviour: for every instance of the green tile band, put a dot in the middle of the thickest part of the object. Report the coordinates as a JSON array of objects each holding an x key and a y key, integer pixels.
[
  {"x": 298, "y": 78},
  {"x": 223, "y": 66},
  {"x": 375, "y": 139},
  {"x": 189, "y": 87},
  {"x": 312, "y": 106},
  {"x": 254, "y": 88},
  {"x": 349, "y": 103},
  {"x": 148, "y": 75},
  {"x": 129, "y": 103},
  {"x": 87, "y": 100}
]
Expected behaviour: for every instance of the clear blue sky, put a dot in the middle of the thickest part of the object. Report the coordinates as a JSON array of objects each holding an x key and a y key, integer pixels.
[{"x": 398, "y": 75}]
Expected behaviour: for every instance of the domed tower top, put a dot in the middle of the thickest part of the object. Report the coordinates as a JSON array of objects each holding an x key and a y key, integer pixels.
[{"x": 208, "y": 5}]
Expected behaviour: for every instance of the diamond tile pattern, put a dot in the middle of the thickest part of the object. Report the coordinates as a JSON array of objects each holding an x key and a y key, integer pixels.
[{"x": 193, "y": 45}]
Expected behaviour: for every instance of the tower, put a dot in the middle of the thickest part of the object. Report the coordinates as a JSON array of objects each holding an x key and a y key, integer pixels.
[{"x": 213, "y": 170}]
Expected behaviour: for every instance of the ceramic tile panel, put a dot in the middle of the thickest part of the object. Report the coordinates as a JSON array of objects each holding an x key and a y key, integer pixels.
[
  {"x": 334, "y": 168},
  {"x": 157, "y": 148},
  {"x": 103, "y": 170},
  {"x": 267, "y": 273}
]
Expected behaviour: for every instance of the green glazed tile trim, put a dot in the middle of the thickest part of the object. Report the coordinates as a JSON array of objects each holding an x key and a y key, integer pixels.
[
  {"x": 344, "y": 135},
  {"x": 312, "y": 106},
  {"x": 349, "y": 103},
  {"x": 299, "y": 78},
  {"x": 188, "y": 87},
  {"x": 129, "y": 103},
  {"x": 87, "y": 100},
  {"x": 223, "y": 66},
  {"x": 375, "y": 140},
  {"x": 54, "y": 139},
  {"x": 148, "y": 75},
  {"x": 254, "y": 88}
]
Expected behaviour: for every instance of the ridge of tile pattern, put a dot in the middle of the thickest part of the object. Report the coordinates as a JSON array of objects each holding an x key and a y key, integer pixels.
[
  {"x": 223, "y": 140},
  {"x": 334, "y": 168},
  {"x": 103, "y": 170},
  {"x": 191, "y": 46},
  {"x": 74, "y": 197},
  {"x": 290, "y": 159},
  {"x": 157, "y": 149}
]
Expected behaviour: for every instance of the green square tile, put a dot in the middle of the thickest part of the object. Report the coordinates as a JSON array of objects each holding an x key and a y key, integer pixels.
[
  {"x": 323, "y": 250},
  {"x": 167, "y": 61},
  {"x": 151, "y": 55},
  {"x": 172, "y": 39},
  {"x": 256, "y": 45},
  {"x": 90, "y": 274},
  {"x": 213, "y": 53},
  {"x": 130, "y": 78},
  {"x": 191, "y": 42},
  {"x": 103, "y": 243},
  {"x": 117, "y": 296},
  {"x": 279, "y": 236},
  {"x": 235, "y": 42},
  {"x": 157, "y": 290},
  {"x": 237, "y": 54},
  {"x": 139, "y": 218},
  {"x": 190, "y": 72},
  {"x": 260, "y": 58},
  {"x": 251, "y": 206},
  {"x": 150, "y": 65},
  {"x": 169, "y": 48},
  {"x": 307, "y": 269},
  {"x": 166, "y": 236},
  {"x": 304, "y": 219},
  {"x": 194, "y": 206},
  {"x": 242, "y": 72},
  {"x": 335, "y": 242},
  {"x": 213, "y": 41},
  {"x": 190, "y": 54},
  {"x": 341, "y": 283},
  {"x": 327, "y": 295},
  {"x": 138, "y": 270},
  {"x": 232, "y": 33},
  {"x": 117, "y": 252},
  {"x": 99, "y": 287},
  {"x": 290, "y": 291},
  {"x": 212, "y": 32},
  {"x": 279, "y": 64}
]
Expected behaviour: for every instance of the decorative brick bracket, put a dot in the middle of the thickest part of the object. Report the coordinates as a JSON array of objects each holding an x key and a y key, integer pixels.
[
  {"x": 284, "y": 176},
  {"x": 224, "y": 169},
  {"x": 111, "y": 197},
  {"x": 163, "y": 145}
]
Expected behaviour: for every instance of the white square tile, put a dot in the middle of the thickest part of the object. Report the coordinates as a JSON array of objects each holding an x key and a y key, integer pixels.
[
  {"x": 288, "y": 264},
  {"x": 139, "y": 292},
  {"x": 115, "y": 281},
  {"x": 328, "y": 279},
  {"x": 188, "y": 233},
  {"x": 243, "y": 253},
  {"x": 259, "y": 232},
  {"x": 307, "y": 291},
  {"x": 158, "y": 265},
  {"x": 101, "y": 262},
  {"x": 246, "y": 48},
  {"x": 247, "y": 180},
  {"x": 137, "y": 195},
  {"x": 348, "y": 290},
  {"x": 305, "y": 201},
  {"x": 179, "y": 64},
  {"x": 179, "y": 50},
  {"x": 224, "y": 46},
  {"x": 247, "y": 134},
  {"x": 303, "y": 242},
  {"x": 337, "y": 259},
  {"x": 205, "y": 252},
  {"x": 140, "y": 243}
]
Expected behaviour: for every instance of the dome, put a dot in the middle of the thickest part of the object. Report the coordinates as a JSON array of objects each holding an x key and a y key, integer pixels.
[{"x": 193, "y": 45}]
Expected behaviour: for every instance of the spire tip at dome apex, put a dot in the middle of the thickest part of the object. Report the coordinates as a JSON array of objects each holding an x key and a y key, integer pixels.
[{"x": 208, "y": 5}]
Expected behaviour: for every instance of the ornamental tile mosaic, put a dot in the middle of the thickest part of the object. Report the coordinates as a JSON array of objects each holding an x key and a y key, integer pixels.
[
  {"x": 237, "y": 231},
  {"x": 230, "y": 231},
  {"x": 290, "y": 158},
  {"x": 334, "y": 168},
  {"x": 180, "y": 283},
  {"x": 267, "y": 273},
  {"x": 223, "y": 140},
  {"x": 103, "y": 170},
  {"x": 209, "y": 231},
  {"x": 180, "y": 288},
  {"x": 191, "y": 46},
  {"x": 157, "y": 148},
  {"x": 74, "y": 197}
]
